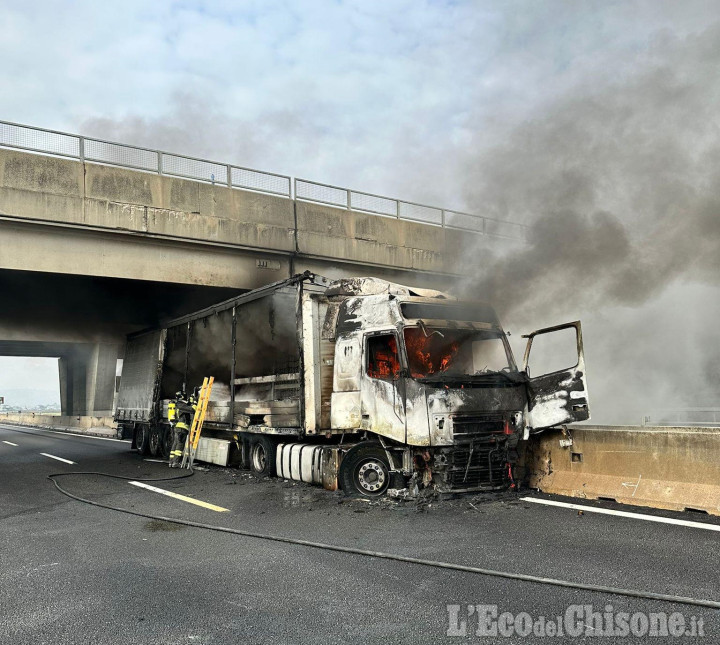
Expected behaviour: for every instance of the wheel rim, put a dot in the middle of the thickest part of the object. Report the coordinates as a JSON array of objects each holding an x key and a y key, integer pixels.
[
  {"x": 154, "y": 442},
  {"x": 371, "y": 477},
  {"x": 259, "y": 458}
]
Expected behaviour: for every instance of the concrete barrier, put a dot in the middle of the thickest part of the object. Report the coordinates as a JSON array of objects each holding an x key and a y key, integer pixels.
[
  {"x": 98, "y": 426},
  {"x": 676, "y": 468}
]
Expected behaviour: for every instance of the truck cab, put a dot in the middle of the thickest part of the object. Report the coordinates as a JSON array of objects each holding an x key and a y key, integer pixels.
[{"x": 435, "y": 381}]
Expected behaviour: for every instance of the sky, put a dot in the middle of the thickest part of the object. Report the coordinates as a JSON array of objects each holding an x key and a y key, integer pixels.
[{"x": 593, "y": 122}]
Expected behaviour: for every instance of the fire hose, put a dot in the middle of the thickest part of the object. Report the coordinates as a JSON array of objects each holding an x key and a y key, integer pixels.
[{"x": 631, "y": 593}]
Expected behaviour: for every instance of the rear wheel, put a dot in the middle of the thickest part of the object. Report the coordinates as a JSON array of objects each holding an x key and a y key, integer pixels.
[
  {"x": 262, "y": 456},
  {"x": 142, "y": 439},
  {"x": 166, "y": 443},
  {"x": 365, "y": 471},
  {"x": 155, "y": 447}
]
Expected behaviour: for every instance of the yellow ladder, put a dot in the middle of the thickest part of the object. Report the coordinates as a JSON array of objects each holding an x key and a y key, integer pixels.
[{"x": 193, "y": 439}]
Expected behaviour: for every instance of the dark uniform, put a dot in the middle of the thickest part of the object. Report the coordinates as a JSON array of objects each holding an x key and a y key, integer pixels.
[{"x": 183, "y": 411}]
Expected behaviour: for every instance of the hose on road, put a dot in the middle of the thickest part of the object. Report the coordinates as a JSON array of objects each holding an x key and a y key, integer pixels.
[{"x": 631, "y": 593}]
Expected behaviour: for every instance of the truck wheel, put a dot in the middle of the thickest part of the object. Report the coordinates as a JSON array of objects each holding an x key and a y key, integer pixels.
[
  {"x": 155, "y": 441},
  {"x": 365, "y": 471},
  {"x": 142, "y": 439},
  {"x": 262, "y": 456},
  {"x": 166, "y": 443}
]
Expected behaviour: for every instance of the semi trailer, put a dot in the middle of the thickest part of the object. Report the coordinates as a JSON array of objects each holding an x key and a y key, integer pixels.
[{"x": 358, "y": 383}]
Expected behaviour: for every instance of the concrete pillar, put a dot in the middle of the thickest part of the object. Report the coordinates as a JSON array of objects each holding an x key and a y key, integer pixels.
[
  {"x": 100, "y": 379},
  {"x": 73, "y": 381},
  {"x": 65, "y": 369},
  {"x": 87, "y": 379}
]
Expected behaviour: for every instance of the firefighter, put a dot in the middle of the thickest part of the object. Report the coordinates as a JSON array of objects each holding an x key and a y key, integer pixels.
[
  {"x": 172, "y": 416},
  {"x": 183, "y": 411}
]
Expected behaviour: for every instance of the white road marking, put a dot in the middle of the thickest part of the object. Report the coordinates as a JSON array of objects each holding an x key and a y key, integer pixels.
[
  {"x": 10, "y": 443},
  {"x": 197, "y": 502},
  {"x": 85, "y": 436},
  {"x": 67, "y": 461},
  {"x": 634, "y": 516},
  {"x": 72, "y": 434}
]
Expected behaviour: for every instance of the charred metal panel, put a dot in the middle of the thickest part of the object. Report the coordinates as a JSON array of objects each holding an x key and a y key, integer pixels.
[
  {"x": 381, "y": 407},
  {"x": 345, "y": 412},
  {"x": 377, "y": 286},
  {"x": 479, "y": 465},
  {"x": 368, "y": 313},
  {"x": 447, "y": 405},
  {"x": 330, "y": 322},
  {"x": 560, "y": 397},
  {"x": 348, "y": 364},
  {"x": 417, "y": 421}
]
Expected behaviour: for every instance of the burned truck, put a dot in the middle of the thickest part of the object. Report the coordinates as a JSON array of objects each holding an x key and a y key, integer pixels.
[{"x": 359, "y": 384}]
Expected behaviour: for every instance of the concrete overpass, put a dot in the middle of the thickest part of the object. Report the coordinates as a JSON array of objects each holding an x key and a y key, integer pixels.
[{"x": 91, "y": 249}]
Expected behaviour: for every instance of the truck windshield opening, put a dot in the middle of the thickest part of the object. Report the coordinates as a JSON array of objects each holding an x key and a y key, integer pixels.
[
  {"x": 456, "y": 353},
  {"x": 468, "y": 311}
]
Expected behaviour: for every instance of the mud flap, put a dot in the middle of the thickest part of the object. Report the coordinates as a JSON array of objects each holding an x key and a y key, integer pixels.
[
  {"x": 330, "y": 465},
  {"x": 557, "y": 397}
]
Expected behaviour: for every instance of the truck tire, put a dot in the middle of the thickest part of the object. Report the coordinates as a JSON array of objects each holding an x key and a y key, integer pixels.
[
  {"x": 364, "y": 471},
  {"x": 262, "y": 456},
  {"x": 142, "y": 439},
  {"x": 166, "y": 443},
  {"x": 155, "y": 447}
]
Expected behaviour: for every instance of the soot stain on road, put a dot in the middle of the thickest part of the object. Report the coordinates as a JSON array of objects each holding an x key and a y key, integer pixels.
[{"x": 289, "y": 495}]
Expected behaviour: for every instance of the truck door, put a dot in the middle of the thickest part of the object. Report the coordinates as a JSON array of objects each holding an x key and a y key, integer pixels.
[
  {"x": 382, "y": 401},
  {"x": 557, "y": 387}
]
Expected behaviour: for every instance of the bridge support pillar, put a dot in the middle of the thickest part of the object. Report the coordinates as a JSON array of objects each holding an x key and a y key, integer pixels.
[{"x": 87, "y": 380}]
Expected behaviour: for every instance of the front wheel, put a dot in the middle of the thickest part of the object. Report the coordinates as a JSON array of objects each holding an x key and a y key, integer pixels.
[{"x": 365, "y": 471}]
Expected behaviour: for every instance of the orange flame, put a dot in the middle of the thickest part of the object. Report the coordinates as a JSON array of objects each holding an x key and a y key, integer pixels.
[
  {"x": 428, "y": 354},
  {"x": 385, "y": 362}
]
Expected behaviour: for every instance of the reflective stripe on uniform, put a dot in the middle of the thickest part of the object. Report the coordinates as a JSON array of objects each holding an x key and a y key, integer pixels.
[{"x": 181, "y": 426}]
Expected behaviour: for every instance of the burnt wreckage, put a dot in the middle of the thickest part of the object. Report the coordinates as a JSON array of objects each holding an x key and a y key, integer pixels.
[{"x": 357, "y": 383}]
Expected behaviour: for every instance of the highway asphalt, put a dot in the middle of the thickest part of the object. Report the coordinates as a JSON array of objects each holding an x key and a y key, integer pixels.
[{"x": 75, "y": 573}]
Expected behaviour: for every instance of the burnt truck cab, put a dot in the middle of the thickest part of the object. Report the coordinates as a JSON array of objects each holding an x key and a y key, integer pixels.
[{"x": 433, "y": 379}]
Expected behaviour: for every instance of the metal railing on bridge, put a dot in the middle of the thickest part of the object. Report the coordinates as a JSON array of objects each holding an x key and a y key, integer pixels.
[
  {"x": 701, "y": 417},
  {"x": 63, "y": 144}
]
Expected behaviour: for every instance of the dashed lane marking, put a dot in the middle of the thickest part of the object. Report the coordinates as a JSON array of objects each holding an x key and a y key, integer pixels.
[
  {"x": 67, "y": 461},
  {"x": 190, "y": 500},
  {"x": 10, "y": 443},
  {"x": 634, "y": 516}
]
